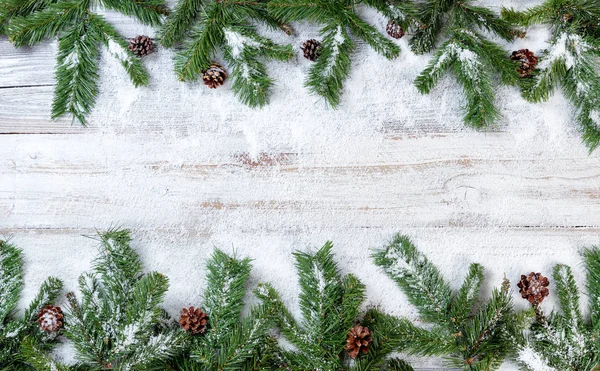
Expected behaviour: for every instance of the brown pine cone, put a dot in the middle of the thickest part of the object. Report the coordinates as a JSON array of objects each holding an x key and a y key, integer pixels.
[
  {"x": 358, "y": 341},
  {"x": 311, "y": 49},
  {"x": 534, "y": 287},
  {"x": 214, "y": 76},
  {"x": 193, "y": 320},
  {"x": 394, "y": 29},
  {"x": 51, "y": 319},
  {"x": 528, "y": 61},
  {"x": 141, "y": 45}
]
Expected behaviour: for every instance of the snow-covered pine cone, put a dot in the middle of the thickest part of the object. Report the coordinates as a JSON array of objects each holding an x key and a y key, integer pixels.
[
  {"x": 214, "y": 76},
  {"x": 527, "y": 59},
  {"x": 534, "y": 287},
  {"x": 311, "y": 49},
  {"x": 358, "y": 341},
  {"x": 51, "y": 319},
  {"x": 141, "y": 45},
  {"x": 193, "y": 320},
  {"x": 394, "y": 29}
]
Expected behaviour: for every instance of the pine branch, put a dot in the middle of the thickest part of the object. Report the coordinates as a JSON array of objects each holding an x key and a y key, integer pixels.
[
  {"x": 80, "y": 31},
  {"x": 479, "y": 341},
  {"x": 420, "y": 280},
  {"x": 11, "y": 280},
  {"x": 592, "y": 264},
  {"x": 225, "y": 25},
  {"x": 10, "y": 9}
]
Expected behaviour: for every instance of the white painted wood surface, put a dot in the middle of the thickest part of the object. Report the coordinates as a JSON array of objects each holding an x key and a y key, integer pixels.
[{"x": 189, "y": 169}]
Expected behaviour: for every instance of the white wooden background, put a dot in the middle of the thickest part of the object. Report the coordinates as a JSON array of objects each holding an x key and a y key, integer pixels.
[{"x": 188, "y": 169}]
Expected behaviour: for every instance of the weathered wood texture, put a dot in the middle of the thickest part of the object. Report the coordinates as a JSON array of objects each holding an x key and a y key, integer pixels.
[{"x": 189, "y": 169}]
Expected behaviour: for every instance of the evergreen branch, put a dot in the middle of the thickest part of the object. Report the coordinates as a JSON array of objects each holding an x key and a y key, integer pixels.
[
  {"x": 76, "y": 73},
  {"x": 118, "y": 48},
  {"x": 465, "y": 300},
  {"x": 298, "y": 10},
  {"x": 19, "y": 8},
  {"x": 591, "y": 257},
  {"x": 40, "y": 360},
  {"x": 251, "y": 82},
  {"x": 484, "y": 330},
  {"x": 149, "y": 12},
  {"x": 45, "y": 23},
  {"x": 442, "y": 60},
  {"x": 354, "y": 294},
  {"x": 534, "y": 15},
  {"x": 485, "y": 19},
  {"x": 327, "y": 75},
  {"x": 179, "y": 22},
  {"x": 196, "y": 55},
  {"x": 11, "y": 279},
  {"x": 371, "y": 36},
  {"x": 284, "y": 319},
  {"x": 47, "y": 294},
  {"x": 471, "y": 73},
  {"x": 117, "y": 264},
  {"x": 419, "y": 279},
  {"x": 225, "y": 290},
  {"x": 568, "y": 295},
  {"x": 402, "y": 11}
]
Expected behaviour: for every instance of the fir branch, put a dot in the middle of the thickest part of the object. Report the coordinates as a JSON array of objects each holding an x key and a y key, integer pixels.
[
  {"x": 10, "y": 9},
  {"x": 592, "y": 269},
  {"x": 225, "y": 25},
  {"x": 80, "y": 32}
]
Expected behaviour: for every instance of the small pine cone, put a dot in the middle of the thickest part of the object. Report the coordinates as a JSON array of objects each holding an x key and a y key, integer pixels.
[
  {"x": 311, "y": 49},
  {"x": 519, "y": 34},
  {"x": 51, "y": 319},
  {"x": 534, "y": 288},
  {"x": 358, "y": 341},
  {"x": 141, "y": 45},
  {"x": 214, "y": 76},
  {"x": 193, "y": 320},
  {"x": 287, "y": 29},
  {"x": 527, "y": 59},
  {"x": 394, "y": 29}
]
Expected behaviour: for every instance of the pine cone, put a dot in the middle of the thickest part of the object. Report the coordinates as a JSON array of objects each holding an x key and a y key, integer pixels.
[
  {"x": 141, "y": 45},
  {"x": 311, "y": 49},
  {"x": 528, "y": 61},
  {"x": 534, "y": 287},
  {"x": 193, "y": 320},
  {"x": 214, "y": 76},
  {"x": 287, "y": 29},
  {"x": 358, "y": 340},
  {"x": 394, "y": 29},
  {"x": 51, "y": 319}
]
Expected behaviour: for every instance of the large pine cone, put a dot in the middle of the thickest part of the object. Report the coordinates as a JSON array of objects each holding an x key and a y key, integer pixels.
[
  {"x": 51, "y": 319},
  {"x": 394, "y": 29},
  {"x": 141, "y": 45},
  {"x": 311, "y": 49},
  {"x": 214, "y": 76},
  {"x": 193, "y": 320},
  {"x": 527, "y": 59},
  {"x": 534, "y": 287},
  {"x": 358, "y": 340}
]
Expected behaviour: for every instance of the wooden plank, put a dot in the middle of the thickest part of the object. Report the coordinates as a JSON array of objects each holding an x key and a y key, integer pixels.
[{"x": 463, "y": 180}]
